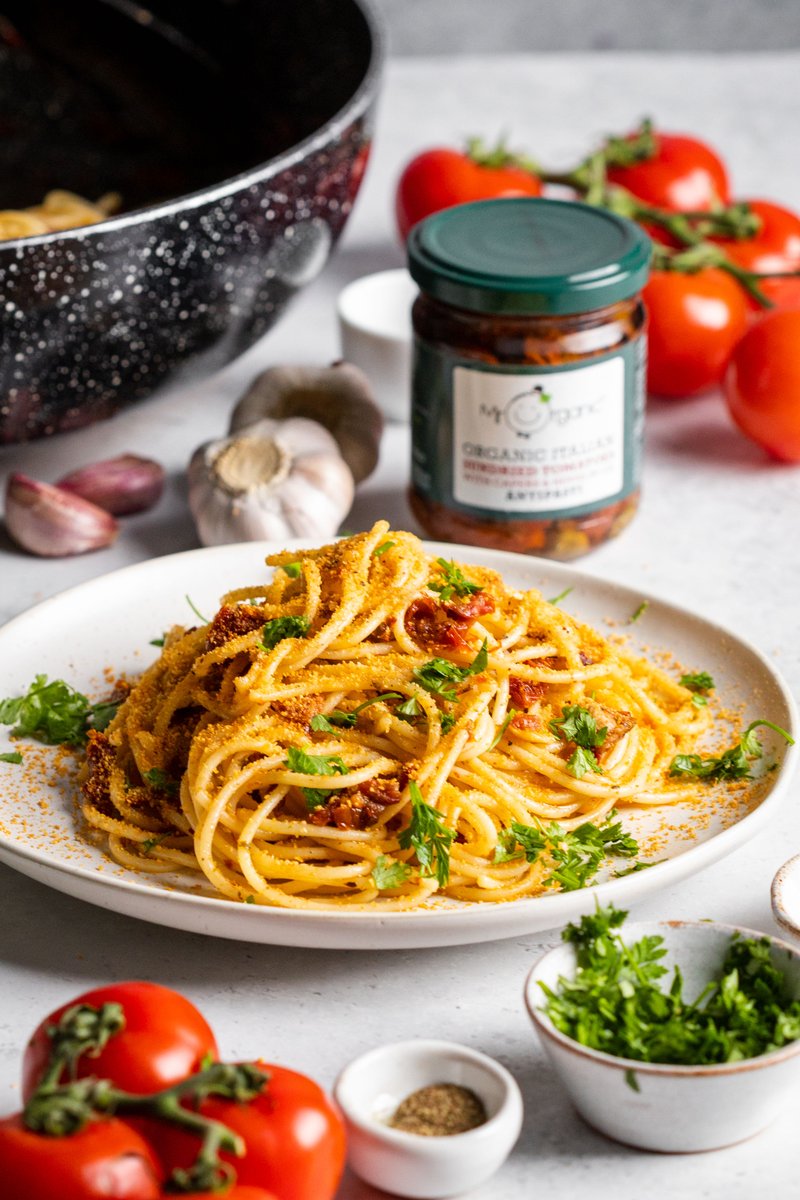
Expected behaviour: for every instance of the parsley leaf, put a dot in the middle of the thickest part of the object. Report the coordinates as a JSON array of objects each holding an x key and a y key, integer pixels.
[
  {"x": 315, "y": 764},
  {"x": 733, "y": 763},
  {"x": 379, "y": 551},
  {"x": 561, "y": 596},
  {"x": 196, "y": 610},
  {"x": 51, "y": 712},
  {"x": 429, "y": 837},
  {"x": 325, "y": 724},
  {"x": 387, "y": 873},
  {"x": 581, "y": 761},
  {"x": 498, "y": 737},
  {"x": 157, "y": 641},
  {"x": 699, "y": 682},
  {"x": 436, "y": 674},
  {"x": 293, "y": 569},
  {"x": 160, "y": 780},
  {"x": 452, "y": 580},
  {"x": 102, "y": 714},
  {"x": 410, "y": 710},
  {"x": 150, "y": 843},
  {"x": 11, "y": 756},
  {"x": 446, "y": 721},
  {"x": 577, "y": 725},
  {"x": 638, "y": 612},
  {"x": 283, "y": 627},
  {"x": 615, "y": 1003},
  {"x": 576, "y": 856}
]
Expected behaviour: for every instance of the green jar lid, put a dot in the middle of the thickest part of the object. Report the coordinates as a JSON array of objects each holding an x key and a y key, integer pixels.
[{"x": 528, "y": 255}]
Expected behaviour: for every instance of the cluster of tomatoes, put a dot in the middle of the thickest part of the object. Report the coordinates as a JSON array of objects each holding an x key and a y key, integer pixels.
[
  {"x": 706, "y": 327},
  {"x": 294, "y": 1139}
]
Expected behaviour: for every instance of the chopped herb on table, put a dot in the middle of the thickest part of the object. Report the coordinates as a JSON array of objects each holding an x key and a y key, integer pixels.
[
  {"x": 576, "y": 856},
  {"x": 429, "y": 837},
  {"x": 615, "y": 1004},
  {"x": 733, "y": 763}
]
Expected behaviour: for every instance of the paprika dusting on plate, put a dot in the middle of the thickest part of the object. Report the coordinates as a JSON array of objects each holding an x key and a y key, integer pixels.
[{"x": 528, "y": 384}]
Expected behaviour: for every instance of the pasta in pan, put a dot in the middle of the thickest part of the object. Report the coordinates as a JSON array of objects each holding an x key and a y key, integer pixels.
[
  {"x": 59, "y": 210},
  {"x": 374, "y": 726}
]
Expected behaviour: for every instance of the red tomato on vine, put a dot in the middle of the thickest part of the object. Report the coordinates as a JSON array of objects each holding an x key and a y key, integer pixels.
[
  {"x": 107, "y": 1160},
  {"x": 442, "y": 178},
  {"x": 294, "y": 1136},
  {"x": 684, "y": 175},
  {"x": 762, "y": 386},
  {"x": 695, "y": 321},
  {"x": 165, "y": 1038}
]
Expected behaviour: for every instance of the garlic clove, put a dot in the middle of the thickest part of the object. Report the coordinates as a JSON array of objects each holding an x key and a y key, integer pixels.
[
  {"x": 53, "y": 523},
  {"x": 338, "y": 397},
  {"x": 123, "y": 485}
]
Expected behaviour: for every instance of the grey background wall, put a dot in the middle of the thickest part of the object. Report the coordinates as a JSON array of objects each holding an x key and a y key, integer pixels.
[{"x": 474, "y": 26}]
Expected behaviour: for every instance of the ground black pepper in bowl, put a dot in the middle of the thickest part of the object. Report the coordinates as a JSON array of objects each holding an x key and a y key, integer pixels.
[{"x": 439, "y": 1110}]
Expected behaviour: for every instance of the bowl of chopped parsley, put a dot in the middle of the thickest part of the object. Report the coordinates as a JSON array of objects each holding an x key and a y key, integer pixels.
[{"x": 673, "y": 1036}]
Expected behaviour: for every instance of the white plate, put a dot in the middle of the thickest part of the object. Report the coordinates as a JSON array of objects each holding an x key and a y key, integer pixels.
[{"x": 108, "y": 623}]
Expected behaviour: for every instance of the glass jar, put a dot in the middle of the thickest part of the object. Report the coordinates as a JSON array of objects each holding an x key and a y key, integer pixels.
[{"x": 528, "y": 381}]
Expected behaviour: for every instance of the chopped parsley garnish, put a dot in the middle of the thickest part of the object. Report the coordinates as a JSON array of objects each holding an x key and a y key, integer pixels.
[
  {"x": 446, "y": 721},
  {"x": 436, "y": 676},
  {"x": 700, "y": 682},
  {"x": 283, "y": 627},
  {"x": 250, "y": 899},
  {"x": 387, "y": 873},
  {"x": 410, "y": 710},
  {"x": 315, "y": 764},
  {"x": 430, "y": 838},
  {"x": 293, "y": 569},
  {"x": 452, "y": 581},
  {"x": 150, "y": 843},
  {"x": 733, "y": 763},
  {"x": 157, "y": 641},
  {"x": 196, "y": 610},
  {"x": 498, "y": 737},
  {"x": 160, "y": 780},
  {"x": 55, "y": 713},
  {"x": 321, "y": 723},
  {"x": 639, "y": 612},
  {"x": 11, "y": 756},
  {"x": 576, "y": 724},
  {"x": 379, "y": 551},
  {"x": 576, "y": 856},
  {"x": 561, "y": 596},
  {"x": 615, "y": 1004}
]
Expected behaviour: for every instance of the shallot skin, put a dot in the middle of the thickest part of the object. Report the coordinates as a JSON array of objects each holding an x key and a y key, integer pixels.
[
  {"x": 121, "y": 486},
  {"x": 52, "y": 522}
]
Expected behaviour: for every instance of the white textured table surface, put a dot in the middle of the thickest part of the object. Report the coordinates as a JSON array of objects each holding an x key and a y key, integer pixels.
[{"x": 717, "y": 532}]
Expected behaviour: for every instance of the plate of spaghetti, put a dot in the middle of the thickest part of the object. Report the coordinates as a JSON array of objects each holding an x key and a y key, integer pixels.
[{"x": 380, "y": 743}]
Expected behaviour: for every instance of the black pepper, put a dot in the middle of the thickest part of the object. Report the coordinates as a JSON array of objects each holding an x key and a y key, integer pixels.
[{"x": 439, "y": 1110}]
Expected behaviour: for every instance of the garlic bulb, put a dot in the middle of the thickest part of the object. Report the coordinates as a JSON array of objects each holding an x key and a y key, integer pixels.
[
  {"x": 339, "y": 397},
  {"x": 274, "y": 480}
]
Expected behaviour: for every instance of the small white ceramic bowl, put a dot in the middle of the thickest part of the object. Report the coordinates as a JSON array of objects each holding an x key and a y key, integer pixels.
[
  {"x": 375, "y": 330},
  {"x": 369, "y": 1091},
  {"x": 676, "y": 1109},
  {"x": 785, "y": 896}
]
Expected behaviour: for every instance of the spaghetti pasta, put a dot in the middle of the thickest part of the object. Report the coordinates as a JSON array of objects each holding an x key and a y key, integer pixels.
[
  {"x": 59, "y": 210},
  {"x": 369, "y": 728}
]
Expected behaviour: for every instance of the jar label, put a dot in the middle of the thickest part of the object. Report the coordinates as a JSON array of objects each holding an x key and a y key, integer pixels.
[{"x": 558, "y": 441}]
